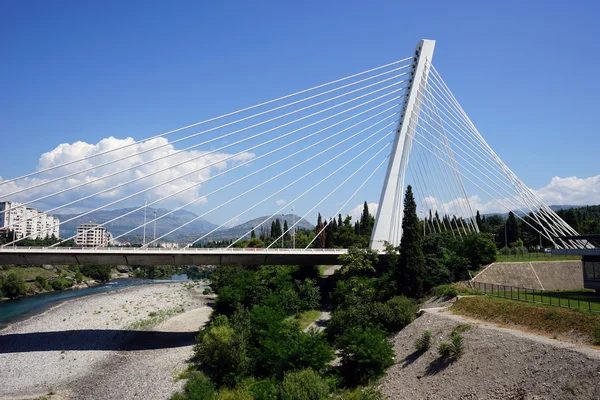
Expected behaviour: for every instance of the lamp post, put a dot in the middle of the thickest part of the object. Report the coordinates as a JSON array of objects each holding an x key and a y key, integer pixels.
[
  {"x": 154, "y": 240},
  {"x": 505, "y": 234},
  {"x": 294, "y": 225},
  {"x": 145, "y": 208},
  {"x": 282, "y": 223}
]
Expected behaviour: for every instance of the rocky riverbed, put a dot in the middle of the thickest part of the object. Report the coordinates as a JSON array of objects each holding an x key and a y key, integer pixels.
[{"x": 127, "y": 344}]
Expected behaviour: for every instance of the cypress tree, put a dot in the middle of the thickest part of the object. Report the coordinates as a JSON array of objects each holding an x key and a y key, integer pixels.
[
  {"x": 286, "y": 234},
  {"x": 410, "y": 273},
  {"x": 252, "y": 233}
]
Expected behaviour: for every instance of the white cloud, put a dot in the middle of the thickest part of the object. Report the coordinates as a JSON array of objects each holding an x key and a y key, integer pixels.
[
  {"x": 198, "y": 163},
  {"x": 356, "y": 212},
  {"x": 280, "y": 202},
  {"x": 571, "y": 191}
]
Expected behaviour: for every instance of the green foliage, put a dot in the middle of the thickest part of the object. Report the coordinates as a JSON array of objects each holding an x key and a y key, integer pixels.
[
  {"x": 390, "y": 316},
  {"x": 263, "y": 389},
  {"x": 310, "y": 295},
  {"x": 207, "y": 291},
  {"x": 410, "y": 271},
  {"x": 222, "y": 353},
  {"x": 14, "y": 286},
  {"x": 479, "y": 249},
  {"x": 304, "y": 385},
  {"x": 453, "y": 350},
  {"x": 423, "y": 343},
  {"x": 445, "y": 291},
  {"x": 61, "y": 283},
  {"x": 365, "y": 353},
  {"x": 239, "y": 393},
  {"x": 42, "y": 283},
  {"x": 97, "y": 272},
  {"x": 358, "y": 262},
  {"x": 367, "y": 393},
  {"x": 199, "y": 387}
]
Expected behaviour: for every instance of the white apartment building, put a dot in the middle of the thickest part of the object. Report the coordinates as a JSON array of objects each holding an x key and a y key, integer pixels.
[
  {"x": 92, "y": 235},
  {"x": 27, "y": 222}
]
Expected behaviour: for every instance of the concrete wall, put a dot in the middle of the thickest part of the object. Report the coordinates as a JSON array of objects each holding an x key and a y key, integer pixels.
[{"x": 553, "y": 275}]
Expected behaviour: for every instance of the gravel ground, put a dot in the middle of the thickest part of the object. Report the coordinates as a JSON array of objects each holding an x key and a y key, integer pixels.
[
  {"x": 86, "y": 349},
  {"x": 498, "y": 363}
]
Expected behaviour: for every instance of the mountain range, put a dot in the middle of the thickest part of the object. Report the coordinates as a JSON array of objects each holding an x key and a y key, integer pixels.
[{"x": 187, "y": 234}]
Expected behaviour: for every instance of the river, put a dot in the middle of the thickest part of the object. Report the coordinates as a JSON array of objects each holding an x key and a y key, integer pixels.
[{"x": 25, "y": 307}]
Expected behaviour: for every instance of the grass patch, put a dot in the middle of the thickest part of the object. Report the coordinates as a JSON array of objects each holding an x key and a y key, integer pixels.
[
  {"x": 532, "y": 257},
  {"x": 29, "y": 273},
  {"x": 541, "y": 318},
  {"x": 580, "y": 300},
  {"x": 307, "y": 317},
  {"x": 155, "y": 319}
]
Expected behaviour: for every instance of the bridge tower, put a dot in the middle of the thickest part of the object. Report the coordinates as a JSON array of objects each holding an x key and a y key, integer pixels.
[{"x": 388, "y": 222}]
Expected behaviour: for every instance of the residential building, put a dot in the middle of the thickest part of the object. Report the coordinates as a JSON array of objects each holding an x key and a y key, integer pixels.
[
  {"x": 92, "y": 235},
  {"x": 27, "y": 221}
]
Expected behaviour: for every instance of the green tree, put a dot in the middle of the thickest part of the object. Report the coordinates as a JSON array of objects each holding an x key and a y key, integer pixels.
[
  {"x": 14, "y": 286},
  {"x": 410, "y": 273},
  {"x": 365, "y": 353},
  {"x": 304, "y": 385},
  {"x": 358, "y": 262},
  {"x": 252, "y": 233}
]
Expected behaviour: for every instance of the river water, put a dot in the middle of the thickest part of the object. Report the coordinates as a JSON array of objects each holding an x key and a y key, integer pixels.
[{"x": 25, "y": 307}]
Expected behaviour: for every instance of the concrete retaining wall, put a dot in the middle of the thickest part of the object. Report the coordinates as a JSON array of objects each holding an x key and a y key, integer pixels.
[{"x": 553, "y": 275}]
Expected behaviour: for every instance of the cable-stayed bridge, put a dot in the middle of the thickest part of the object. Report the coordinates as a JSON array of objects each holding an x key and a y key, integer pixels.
[{"x": 322, "y": 147}]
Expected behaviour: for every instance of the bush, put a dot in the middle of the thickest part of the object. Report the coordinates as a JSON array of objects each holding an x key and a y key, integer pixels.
[
  {"x": 453, "y": 350},
  {"x": 368, "y": 393},
  {"x": 264, "y": 389},
  {"x": 222, "y": 353},
  {"x": 310, "y": 296},
  {"x": 423, "y": 343},
  {"x": 199, "y": 387},
  {"x": 239, "y": 393},
  {"x": 366, "y": 354},
  {"x": 403, "y": 312},
  {"x": 304, "y": 385},
  {"x": 445, "y": 291},
  {"x": 14, "y": 286},
  {"x": 97, "y": 272},
  {"x": 61, "y": 283},
  {"x": 42, "y": 283},
  {"x": 207, "y": 291}
]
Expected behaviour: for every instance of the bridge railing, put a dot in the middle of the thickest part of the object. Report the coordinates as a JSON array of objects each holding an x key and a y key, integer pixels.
[
  {"x": 575, "y": 300},
  {"x": 167, "y": 250}
]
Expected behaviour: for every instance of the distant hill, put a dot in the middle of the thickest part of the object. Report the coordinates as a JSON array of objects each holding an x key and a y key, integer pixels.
[
  {"x": 238, "y": 230},
  {"x": 136, "y": 219},
  {"x": 553, "y": 208}
]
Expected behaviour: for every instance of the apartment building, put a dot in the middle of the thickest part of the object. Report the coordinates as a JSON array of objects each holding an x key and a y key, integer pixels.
[
  {"x": 27, "y": 221},
  {"x": 92, "y": 235}
]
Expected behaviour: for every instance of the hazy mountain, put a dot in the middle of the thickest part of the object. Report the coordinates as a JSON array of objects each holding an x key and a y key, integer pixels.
[
  {"x": 238, "y": 230},
  {"x": 519, "y": 213},
  {"x": 136, "y": 219}
]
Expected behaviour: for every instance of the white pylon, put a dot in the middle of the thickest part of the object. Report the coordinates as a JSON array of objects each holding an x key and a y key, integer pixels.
[{"x": 388, "y": 222}]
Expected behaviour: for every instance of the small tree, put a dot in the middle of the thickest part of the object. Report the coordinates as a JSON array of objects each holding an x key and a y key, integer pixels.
[
  {"x": 14, "y": 286},
  {"x": 304, "y": 385},
  {"x": 366, "y": 354}
]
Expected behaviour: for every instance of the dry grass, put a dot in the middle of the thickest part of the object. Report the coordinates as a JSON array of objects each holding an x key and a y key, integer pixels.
[{"x": 546, "y": 319}]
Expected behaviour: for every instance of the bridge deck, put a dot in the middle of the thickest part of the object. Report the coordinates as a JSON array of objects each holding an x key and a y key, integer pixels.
[{"x": 159, "y": 256}]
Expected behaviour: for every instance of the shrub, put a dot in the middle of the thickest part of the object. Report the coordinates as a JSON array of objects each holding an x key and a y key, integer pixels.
[
  {"x": 97, "y": 272},
  {"x": 239, "y": 393},
  {"x": 42, "y": 283},
  {"x": 304, "y": 385},
  {"x": 199, "y": 386},
  {"x": 366, "y": 354},
  {"x": 310, "y": 296},
  {"x": 264, "y": 389},
  {"x": 445, "y": 291},
  {"x": 368, "y": 393},
  {"x": 403, "y": 312},
  {"x": 207, "y": 291},
  {"x": 14, "y": 286},
  {"x": 222, "y": 353},
  {"x": 423, "y": 343},
  {"x": 61, "y": 283},
  {"x": 597, "y": 335},
  {"x": 453, "y": 350}
]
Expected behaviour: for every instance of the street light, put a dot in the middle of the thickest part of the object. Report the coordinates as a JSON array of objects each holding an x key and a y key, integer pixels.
[
  {"x": 282, "y": 224},
  {"x": 154, "y": 241},
  {"x": 294, "y": 227},
  {"x": 145, "y": 208}
]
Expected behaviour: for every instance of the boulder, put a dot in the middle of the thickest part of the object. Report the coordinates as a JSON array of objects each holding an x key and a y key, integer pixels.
[
  {"x": 123, "y": 269},
  {"x": 48, "y": 267}
]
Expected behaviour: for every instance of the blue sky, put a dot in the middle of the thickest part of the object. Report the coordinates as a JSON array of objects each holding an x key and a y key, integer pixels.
[{"x": 525, "y": 72}]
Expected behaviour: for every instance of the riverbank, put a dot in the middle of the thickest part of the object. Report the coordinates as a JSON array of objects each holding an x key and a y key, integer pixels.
[{"x": 123, "y": 344}]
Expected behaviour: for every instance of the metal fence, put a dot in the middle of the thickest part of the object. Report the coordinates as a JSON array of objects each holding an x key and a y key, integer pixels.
[{"x": 573, "y": 300}]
